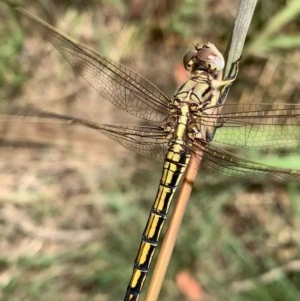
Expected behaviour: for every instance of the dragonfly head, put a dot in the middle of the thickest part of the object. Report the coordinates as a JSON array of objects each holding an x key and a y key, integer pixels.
[{"x": 204, "y": 57}]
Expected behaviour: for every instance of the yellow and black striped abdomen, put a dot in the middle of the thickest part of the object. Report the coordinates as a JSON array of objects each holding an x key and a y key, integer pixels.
[{"x": 175, "y": 164}]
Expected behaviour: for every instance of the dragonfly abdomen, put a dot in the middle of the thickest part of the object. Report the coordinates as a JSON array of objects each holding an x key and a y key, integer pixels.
[{"x": 175, "y": 164}]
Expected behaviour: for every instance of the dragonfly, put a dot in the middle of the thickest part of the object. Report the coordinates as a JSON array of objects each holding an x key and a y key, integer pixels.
[{"x": 195, "y": 121}]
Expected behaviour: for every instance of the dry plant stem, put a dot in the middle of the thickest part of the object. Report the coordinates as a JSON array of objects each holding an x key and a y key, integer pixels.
[
  {"x": 173, "y": 229},
  {"x": 242, "y": 22}
]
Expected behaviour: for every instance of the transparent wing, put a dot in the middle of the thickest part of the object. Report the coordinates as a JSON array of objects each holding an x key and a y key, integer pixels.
[
  {"x": 228, "y": 164},
  {"x": 150, "y": 141},
  {"x": 264, "y": 127},
  {"x": 119, "y": 85},
  {"x": 153, "y": 142}
]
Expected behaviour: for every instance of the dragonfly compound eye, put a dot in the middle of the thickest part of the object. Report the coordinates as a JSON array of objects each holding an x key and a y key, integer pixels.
[
  {"x": 188, "y": 60},
  {"x": 210, "y": 57},
  {"x": 204, "y": 57}
]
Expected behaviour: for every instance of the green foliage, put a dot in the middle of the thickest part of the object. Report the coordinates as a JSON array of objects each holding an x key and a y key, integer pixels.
[
  {"x": 11, "y": 41},
  {"x": 268, "y": 38}
]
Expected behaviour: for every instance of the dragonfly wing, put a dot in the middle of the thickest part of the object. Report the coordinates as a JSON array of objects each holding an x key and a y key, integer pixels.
[
  {"x": 150, "y": 141},
  {"x": 228, "y": 164},
  {"x": 259, "y": 126},
  {"x": 147, "y": 141},
  {"x": 119, "y": 85}
]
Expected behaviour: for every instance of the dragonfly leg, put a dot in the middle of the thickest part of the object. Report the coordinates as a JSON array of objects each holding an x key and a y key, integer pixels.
[
  {"x": 227, "y": 82},
  {"x": 235, "y": 67}
]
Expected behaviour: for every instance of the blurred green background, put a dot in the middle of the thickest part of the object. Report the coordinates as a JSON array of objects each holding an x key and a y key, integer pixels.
[{"x": 74, "y": 204}]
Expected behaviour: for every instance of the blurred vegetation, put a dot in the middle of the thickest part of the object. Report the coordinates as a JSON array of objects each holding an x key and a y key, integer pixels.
[
  {"x": 71, "y": 214},
  {"x": 11, "y": 38}
]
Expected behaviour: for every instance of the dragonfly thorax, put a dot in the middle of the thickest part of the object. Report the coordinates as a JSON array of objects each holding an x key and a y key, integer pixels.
[{"x": 187, "y": 110}]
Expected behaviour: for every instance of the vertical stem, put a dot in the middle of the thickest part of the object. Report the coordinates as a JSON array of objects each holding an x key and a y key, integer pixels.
[
  {"x": 173, "y": 229},
  {"x": 241, "y": 25}
]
